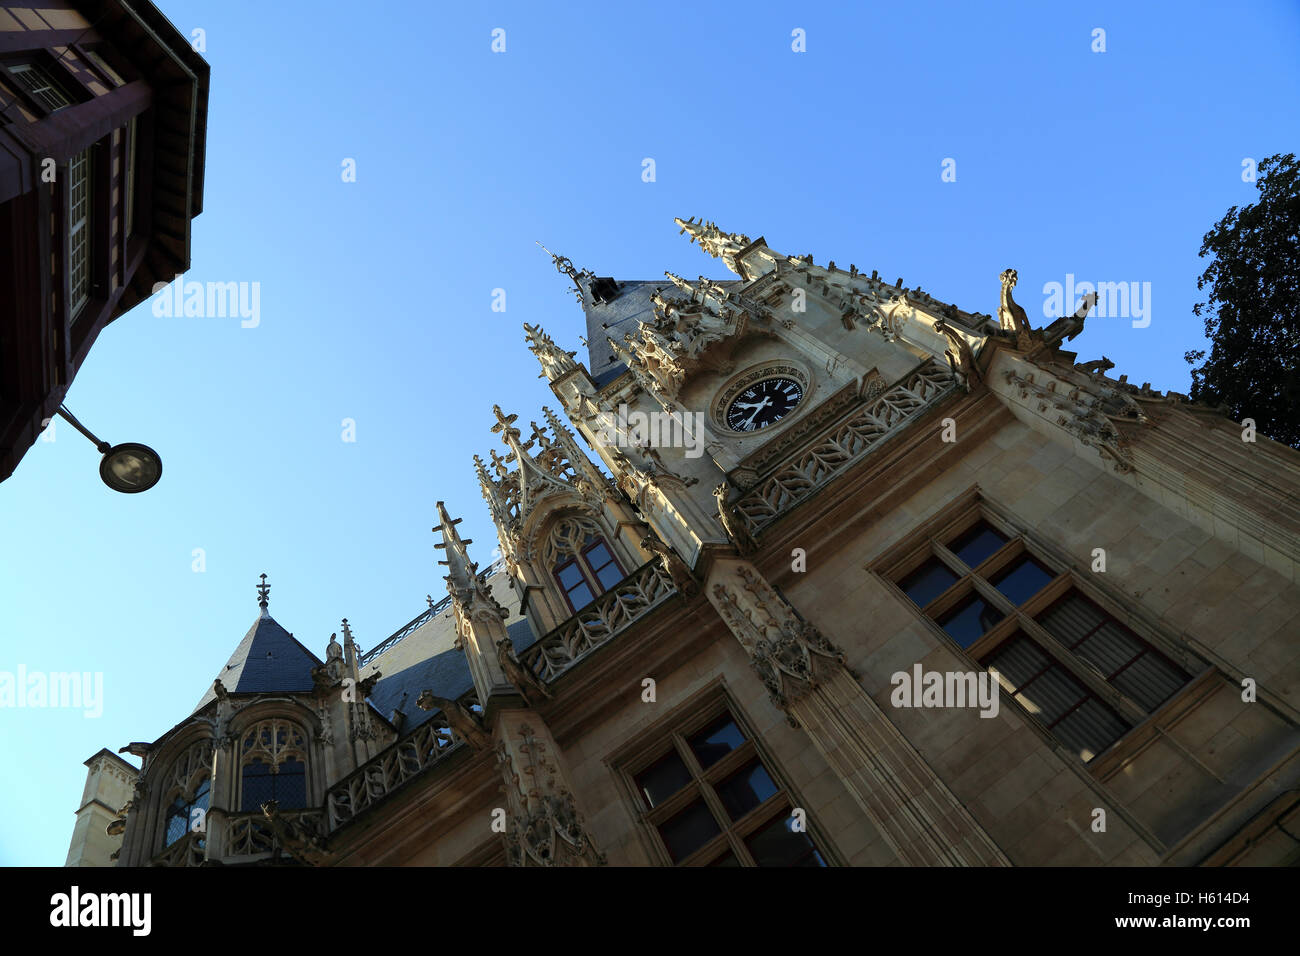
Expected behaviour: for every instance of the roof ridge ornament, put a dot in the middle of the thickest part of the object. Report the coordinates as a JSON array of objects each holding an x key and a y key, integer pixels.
[
  {"x": 564, "y": 266},
  {"x": 263, "y": 599}
]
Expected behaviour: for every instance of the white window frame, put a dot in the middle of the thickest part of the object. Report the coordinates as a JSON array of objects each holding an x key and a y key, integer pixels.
[
  {"x": 36, "y": 80},
  {"x": 79, "y": 215}
]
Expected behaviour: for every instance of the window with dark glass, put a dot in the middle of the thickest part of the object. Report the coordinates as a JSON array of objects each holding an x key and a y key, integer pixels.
[
  {"x": 185, "y": 815},
  {"x": 712, "y": 801},
  {"x": 970, "y": 619},
  {"x": 1137, "y": 670},
  {"x": 1048, "y": 691},
  {"x": 591, "y": 572},
  {"x": 286, "y": 784},
  {"x": 927, "y": 582},
  {"x": 978, "y": 573}
]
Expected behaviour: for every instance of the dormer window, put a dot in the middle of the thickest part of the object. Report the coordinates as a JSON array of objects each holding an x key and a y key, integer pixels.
[
  {"x": 273, "y": 766},
  {"x": 590, "y": 572}
]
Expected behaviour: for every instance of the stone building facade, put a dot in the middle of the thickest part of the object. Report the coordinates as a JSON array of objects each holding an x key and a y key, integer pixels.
[{"x": 803, "y": 568}]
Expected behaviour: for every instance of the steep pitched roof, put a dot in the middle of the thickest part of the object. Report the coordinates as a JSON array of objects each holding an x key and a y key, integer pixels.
[{"x": 268, "y": 660}]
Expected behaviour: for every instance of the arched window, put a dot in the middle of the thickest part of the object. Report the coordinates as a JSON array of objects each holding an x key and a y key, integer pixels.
[
  {"x": 186, "y": 814},
  {"x": 273, "y": 762},
  {"x": 592, "y": 570}
]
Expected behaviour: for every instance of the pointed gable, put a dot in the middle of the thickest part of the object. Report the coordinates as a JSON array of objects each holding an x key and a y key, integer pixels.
[{"x": 268, "y": 660}]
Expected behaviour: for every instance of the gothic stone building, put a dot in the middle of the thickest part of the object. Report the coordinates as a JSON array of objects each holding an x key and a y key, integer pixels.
[{"x": 757, "y": 632}]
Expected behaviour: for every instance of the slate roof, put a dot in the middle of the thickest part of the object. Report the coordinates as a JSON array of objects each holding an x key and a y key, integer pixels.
[
  {"x": 268, "y": 660},
  {"x": 445, "y": 673}
]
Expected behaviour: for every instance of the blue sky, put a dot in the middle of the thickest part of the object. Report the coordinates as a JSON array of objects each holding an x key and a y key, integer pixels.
[{"x": 375, "y": 296}]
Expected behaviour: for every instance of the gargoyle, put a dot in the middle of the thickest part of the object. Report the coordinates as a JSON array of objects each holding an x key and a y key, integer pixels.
[
  {"x": 530, "y": 688},
  {"x": 462, "y": 720},
  {"x": 298, "y": 836},
  {"x": 959, "y": 356},
  {"x": 1010, "y": 315},
  {"x": 737, "y": 533},
  {"x": 683, "y": 580},
  {"x": 1102, "y": 364}
]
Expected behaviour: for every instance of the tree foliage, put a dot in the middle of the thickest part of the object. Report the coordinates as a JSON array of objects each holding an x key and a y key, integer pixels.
[{"x": 1252, "y": 315}]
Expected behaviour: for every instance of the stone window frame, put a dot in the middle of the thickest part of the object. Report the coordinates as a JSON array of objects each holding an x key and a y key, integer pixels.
[
  {"x": 274, "y": 754},
  {"x": 671, "y": 732},
  {"x": 927, "y": 539}
]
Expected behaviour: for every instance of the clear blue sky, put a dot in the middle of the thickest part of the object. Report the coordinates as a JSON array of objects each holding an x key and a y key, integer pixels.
[{"x": 376, "y": 295}]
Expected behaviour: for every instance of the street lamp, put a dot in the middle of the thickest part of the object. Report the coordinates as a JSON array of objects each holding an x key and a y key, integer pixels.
[{"x": 129, "y": 467}]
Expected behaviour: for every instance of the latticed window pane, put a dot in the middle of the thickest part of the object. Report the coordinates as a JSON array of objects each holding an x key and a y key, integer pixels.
[
  {"x": 181, "y": 816},
  {"x": 79, "y": 230},
  {"x": 978, "y": 543},
  {"x": 41, "y": 86},
  {"x": 662, "y": 779},
  {"x": 290, "y": 785},
  {"x": 1049, "y": 692},
  {"x": 1138, "y": 671},
  {"x": 927, "y": 582},
  {"x": 258, "y": 787},
  {"x": 970, "y": 619},
  {"x": 1022, "y": 579},
  {"x": 779, "y": 844},
  {"x": 689, "y": 830},
  {"x": 746, "y": 789},
  {"x": 716, "y": 741}
]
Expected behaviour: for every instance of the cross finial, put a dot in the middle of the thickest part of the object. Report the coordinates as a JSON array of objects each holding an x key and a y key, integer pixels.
[
  {"x": 429, "y": 598},
  {"x": 263, "y": 590},
  {"x": 505, "y": 424}
]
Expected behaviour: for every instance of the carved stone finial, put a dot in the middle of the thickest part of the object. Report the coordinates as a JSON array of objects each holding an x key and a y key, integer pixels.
[
  {"x": 554, "y": 360},
  {"x": 564, "y": 266}
]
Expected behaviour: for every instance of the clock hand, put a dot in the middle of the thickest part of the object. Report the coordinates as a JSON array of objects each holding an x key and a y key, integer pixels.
[{"x": 762, "y": 405}]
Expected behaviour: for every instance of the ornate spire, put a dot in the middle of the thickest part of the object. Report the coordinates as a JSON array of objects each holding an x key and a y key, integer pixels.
[
  {"x": 461, "y": 569},
  {"x": 263, "y": 599},
  {"x": 719, "y": 244},
  {"x": 555, "y": 361},
  {"x": 564, "y": 266}
]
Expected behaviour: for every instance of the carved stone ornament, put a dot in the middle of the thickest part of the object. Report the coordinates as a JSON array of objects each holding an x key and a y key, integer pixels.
[
  {"x": 683, "y": 580},
  {"x": 462, "y": 720},
  {"x": 544, "y": 827},
  {"x": 784, "y": 650},
  {"x": 736, "y": 531}
]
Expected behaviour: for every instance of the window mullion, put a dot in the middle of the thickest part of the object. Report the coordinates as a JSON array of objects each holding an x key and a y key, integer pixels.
[{"x": 1084, "y": 672}]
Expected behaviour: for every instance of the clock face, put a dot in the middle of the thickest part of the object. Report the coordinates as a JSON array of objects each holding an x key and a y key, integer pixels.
[{"x": 763, "y": 403}]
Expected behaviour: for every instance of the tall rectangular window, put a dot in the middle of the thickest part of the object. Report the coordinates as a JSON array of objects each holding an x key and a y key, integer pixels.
[
  {"x": 1084, "y": 676},
  {"x": 79, "y": 231},
  {"x": 711, "y": 799},
  {"x": 43, "y": 88}
]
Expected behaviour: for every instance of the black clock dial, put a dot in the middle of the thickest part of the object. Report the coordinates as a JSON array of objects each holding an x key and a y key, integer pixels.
[{"x": 763, "y": 403}]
